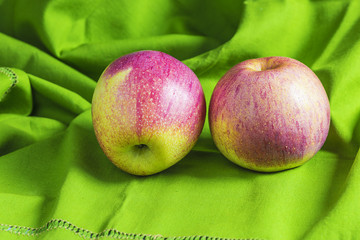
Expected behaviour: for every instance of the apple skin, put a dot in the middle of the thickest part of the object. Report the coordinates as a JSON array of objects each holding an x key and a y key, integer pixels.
[
  {"x": 148, "y": 110},
  {"x": 269, "y": 114}
]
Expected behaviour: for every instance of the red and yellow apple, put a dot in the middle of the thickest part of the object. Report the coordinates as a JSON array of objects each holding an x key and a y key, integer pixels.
[
  {"x": 269, "y": 114},
  {"x": 148, "y": 110}
]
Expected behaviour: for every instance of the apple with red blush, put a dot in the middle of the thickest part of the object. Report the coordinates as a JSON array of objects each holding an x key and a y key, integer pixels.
[
  {"x": 148, "y": 110},
  {"x": 269, "y": 114}
]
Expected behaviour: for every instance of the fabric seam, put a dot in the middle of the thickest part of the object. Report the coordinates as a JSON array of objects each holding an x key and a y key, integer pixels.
[
  {"x": 54, "y": 224},
  {"x": 13, "y": 78}
]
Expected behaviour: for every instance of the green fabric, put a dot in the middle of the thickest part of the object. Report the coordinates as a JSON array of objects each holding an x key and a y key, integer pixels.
[{"x": 55, "y": 181}]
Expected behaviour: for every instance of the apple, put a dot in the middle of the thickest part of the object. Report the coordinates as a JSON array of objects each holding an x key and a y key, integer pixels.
[
  {"x": 148, "y": 110},
  {"x": 269, "y": 114}
]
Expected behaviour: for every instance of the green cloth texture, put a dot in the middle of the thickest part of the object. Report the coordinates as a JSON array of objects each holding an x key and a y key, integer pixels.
[{"x": 56, "y": 182}]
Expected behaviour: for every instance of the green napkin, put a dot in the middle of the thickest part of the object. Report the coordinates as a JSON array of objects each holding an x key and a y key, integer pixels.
[{"x": 55, "y": 181}]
